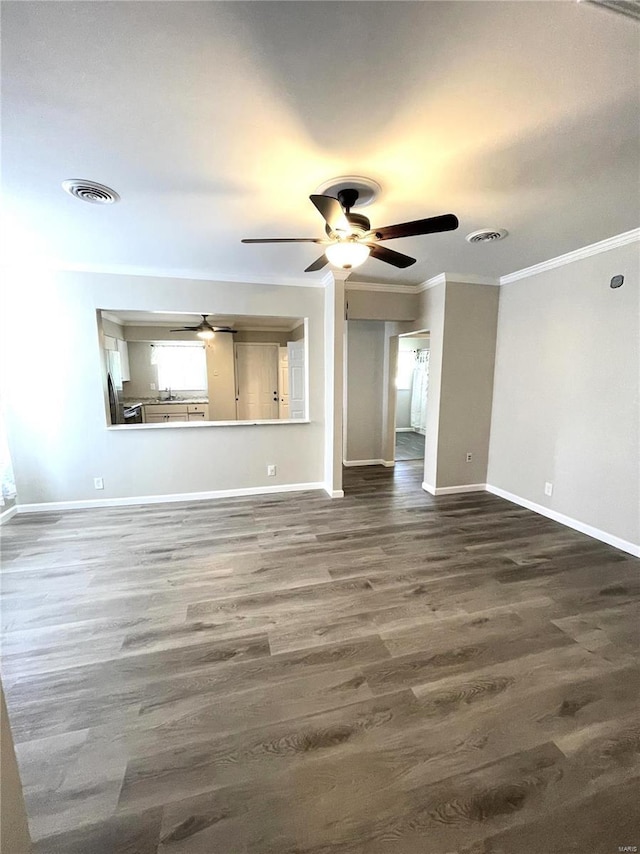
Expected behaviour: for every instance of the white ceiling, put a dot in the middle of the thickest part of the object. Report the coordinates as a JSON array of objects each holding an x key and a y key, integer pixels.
[
  {"x": 237, "y": 321},
  {"x": 216, "y": 120}
]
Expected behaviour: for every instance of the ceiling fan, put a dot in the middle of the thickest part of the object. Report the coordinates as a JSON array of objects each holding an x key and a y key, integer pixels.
[
  {"x": 204, "y": 329},
  {"x": 350, "y": 239}
]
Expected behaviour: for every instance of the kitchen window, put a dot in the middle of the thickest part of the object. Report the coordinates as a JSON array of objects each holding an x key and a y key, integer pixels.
[{"x": 180, "y": 366}]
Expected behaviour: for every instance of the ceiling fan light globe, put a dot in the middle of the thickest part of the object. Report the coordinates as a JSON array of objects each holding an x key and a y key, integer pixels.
[
  {"x": 206, "y": 334},
  {"x": 347, "y": 255}
]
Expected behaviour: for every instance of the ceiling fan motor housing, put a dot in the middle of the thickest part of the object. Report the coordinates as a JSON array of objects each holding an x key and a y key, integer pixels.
[{"x": 360, "y": 225}]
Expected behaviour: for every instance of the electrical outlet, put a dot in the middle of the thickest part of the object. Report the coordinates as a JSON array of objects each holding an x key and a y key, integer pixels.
[
  {"x": 152, "y": 386},
  {"x": 98, "y": 483},
  {"x": 548, "y": 488},
  {"x": 271, "y": 471},
  {"x": 469, "y": 456}
]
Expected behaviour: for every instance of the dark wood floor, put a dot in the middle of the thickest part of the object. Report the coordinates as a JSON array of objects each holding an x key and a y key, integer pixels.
[
  {"x": 390, "y": 673},
  {"x": 409, "y": 446}
]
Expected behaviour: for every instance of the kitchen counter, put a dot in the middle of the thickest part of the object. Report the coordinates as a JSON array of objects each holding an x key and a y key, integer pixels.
[{"x": 151, "y": 401}]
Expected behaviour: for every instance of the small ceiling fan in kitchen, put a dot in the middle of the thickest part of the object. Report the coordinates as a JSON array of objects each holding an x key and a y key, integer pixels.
[
  {"x": 350, "y": 240},
  {"x": 204, "y": 329}
]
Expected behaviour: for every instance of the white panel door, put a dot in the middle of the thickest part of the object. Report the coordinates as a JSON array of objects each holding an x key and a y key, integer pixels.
[
  {"x": 297, "y": 383},
  {"x": 283, "y": 382},
  {"x": 256, "y": 381}
]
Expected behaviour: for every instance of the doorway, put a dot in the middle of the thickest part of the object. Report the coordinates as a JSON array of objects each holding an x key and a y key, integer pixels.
[{"x": 412, "y": 390}]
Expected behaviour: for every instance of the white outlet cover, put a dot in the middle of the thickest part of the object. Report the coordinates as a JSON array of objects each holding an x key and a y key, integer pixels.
[
  {"x": 152, "y": 386},
  {"x": 98, "y": 483},
  {"x": 271, "y": 471},
  {"x": 548, "y": 488}
]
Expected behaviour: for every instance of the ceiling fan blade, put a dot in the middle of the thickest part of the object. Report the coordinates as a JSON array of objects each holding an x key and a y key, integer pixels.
[
  {"x": 280, "y": 240},
  {"x": 331, "y": 210},
  {"x": 431, "y": 225},
  {"x": 382, "y": 253},
  {"x": 186, "y": 329},
  {"x": 318, "y": 264},
  {"x": 225, "y": 329}
]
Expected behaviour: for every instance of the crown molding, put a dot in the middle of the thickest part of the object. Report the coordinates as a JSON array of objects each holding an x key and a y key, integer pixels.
[
  {"x": 106, "y": 315},
  {"x": 458, "y": 278},
  {"x": 577, "y": 255},
  {"x": 164, "y": 273},
  {"x": 433, "y": 282},
  {"x": 471, "y": 279},
  {"x": 379, "y": 287}
]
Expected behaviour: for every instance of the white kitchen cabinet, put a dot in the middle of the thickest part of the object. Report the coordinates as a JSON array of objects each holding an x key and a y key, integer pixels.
[
  {"x": 198, "y": 411},
  {"x": 123, "y": 349},
  {"x": 170, "y": 413}
]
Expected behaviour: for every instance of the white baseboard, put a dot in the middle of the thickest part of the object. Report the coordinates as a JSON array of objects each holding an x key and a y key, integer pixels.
[
  {"x": 387, "y": 463},
  {"x": 8, "y": 514},
  {"x": 453, "y": 490},
  {"x": 91, "y": 503},
  {"x": 334, "y": 493},
  {"x": 589, "y": 530}
]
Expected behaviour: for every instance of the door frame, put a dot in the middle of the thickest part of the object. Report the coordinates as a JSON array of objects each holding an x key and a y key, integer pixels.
[{"x": 390, "y": 392}]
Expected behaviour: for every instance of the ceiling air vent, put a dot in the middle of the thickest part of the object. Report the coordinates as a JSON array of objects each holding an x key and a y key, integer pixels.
[
  {"x": 487, "y": 235},
  {"x": 90, "y": 191}
]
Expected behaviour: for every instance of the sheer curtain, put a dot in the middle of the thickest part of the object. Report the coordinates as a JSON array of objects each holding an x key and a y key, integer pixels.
[{"x": 419, "y": 391}]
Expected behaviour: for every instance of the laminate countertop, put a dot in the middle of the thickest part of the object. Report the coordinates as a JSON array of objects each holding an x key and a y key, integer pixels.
[{"x": 152, "y": 401}]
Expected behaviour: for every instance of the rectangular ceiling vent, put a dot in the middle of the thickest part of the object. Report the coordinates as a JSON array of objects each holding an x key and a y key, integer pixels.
[{"x": 630, "y": 8}]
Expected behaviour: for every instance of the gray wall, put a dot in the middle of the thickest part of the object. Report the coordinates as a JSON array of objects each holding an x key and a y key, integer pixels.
[
  {"x": 365, "y": 379},
  {"x": 468, "y": 359},
  {"x": 566, "y": 392},
  {"x": 461, "y": 321},
  {"x": 60, "y": 442},
  {"x": 403, "y": 408},
  {"x": 380, "y": 305}
]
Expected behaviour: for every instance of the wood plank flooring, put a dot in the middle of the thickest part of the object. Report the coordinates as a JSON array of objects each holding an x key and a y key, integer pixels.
[
  {"x": 390, "y": 673},
  {"x": 409, "y": 446}
]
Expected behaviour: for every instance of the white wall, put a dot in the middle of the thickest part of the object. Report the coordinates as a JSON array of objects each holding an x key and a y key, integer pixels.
[
  {"x": 566, "y": 404},
  {"x": 365, "y": 381},
  {"x": 59, "y": 441}
]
